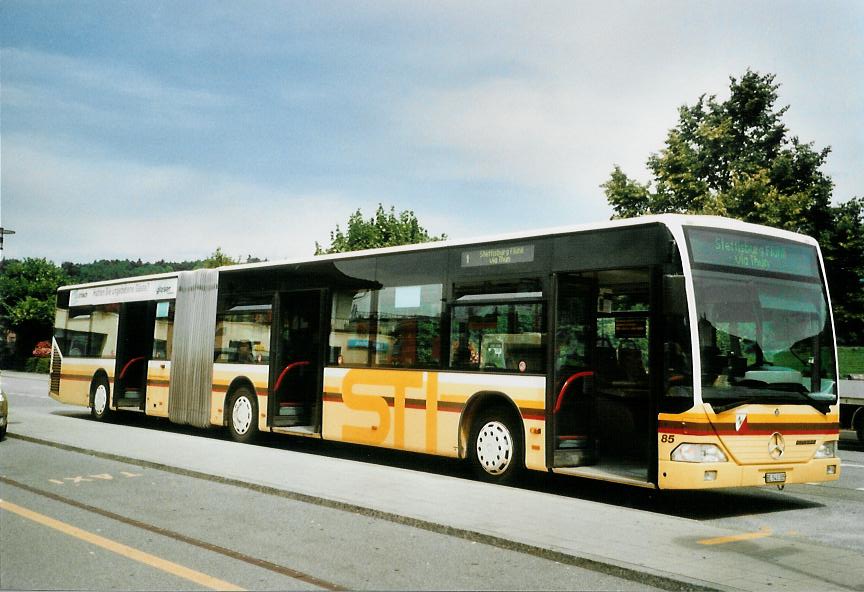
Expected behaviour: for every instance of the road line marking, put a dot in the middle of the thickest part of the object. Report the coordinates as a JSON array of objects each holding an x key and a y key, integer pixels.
[
  {"x": 845, "y": 464},
  {"x": 146, "y": 558},
  {"x": 475, "y": 536},
  {"x": 747, "y": 536},
  {"x": 276, "y": 568}
]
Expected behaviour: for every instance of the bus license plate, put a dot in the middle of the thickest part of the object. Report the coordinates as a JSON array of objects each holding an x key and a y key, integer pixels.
[{"x": 775, "y": 477}]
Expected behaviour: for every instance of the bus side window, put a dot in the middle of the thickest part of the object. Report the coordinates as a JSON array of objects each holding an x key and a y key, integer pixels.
[
  {"x": 500, "y": 336},
  {"x": 350, "y": 322}
]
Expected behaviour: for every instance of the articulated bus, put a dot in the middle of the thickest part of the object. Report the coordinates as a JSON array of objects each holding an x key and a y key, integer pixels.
[{"x": 671, "y": 352}]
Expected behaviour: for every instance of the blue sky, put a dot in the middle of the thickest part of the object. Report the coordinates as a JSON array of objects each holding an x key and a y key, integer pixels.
[{"x": 165, "y": 129}]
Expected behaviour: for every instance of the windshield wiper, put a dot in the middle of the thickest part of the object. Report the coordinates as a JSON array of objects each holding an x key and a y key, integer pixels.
[{"x": 730, "y": 404}]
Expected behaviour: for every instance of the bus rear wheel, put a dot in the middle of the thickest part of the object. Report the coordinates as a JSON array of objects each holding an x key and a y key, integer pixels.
[
  {"x": 495, "y": 446},
  {"x": 99, "y": 395},
  {"x": 858, "y": 425},
  {"x": 243, "y": 415}
]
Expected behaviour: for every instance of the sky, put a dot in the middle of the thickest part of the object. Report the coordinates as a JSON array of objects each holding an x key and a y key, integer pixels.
[{"x": 163, "y": 130}]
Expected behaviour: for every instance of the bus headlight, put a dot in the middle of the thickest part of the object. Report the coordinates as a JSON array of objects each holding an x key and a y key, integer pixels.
[
  {"x": 827, "y": 450},
  {"x": 698, "y": 453}
]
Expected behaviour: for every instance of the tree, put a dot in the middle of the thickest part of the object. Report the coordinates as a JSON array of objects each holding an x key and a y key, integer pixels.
[
  {"x": 736, "y": 158},
  {"x": 385, "y": 229},
  {"x": 733, "y": 158},
  {"x": 217, "y": 259},
  {"x": 844, "y": 265},
  {"x": 27, "y": 291}
]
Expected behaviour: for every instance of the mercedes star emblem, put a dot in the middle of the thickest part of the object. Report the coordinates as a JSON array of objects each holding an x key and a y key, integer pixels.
[{"x": 776, "y": 446}]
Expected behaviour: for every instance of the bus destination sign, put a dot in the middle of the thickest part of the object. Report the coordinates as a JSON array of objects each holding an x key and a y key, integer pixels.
[
  {"x": 498, "y": 256},
  {"x": 742, "y": 251},
  {"x": 161, "y": 289}
]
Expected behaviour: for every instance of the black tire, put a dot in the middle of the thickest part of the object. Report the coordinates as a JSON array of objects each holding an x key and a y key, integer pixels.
[
  {"x": 242, "y": 411},
  {"x": 859, "y": 425},
  {"x": 495, "y": 446},
  {"x": 2, "y": 433},
  {"x": 100, "y": 395}
]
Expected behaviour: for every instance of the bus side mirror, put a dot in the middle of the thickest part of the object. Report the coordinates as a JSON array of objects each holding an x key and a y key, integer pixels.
[{"x": 674, "y": 295}]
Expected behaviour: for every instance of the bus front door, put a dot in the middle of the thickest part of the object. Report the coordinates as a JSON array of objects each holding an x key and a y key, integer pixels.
[
  {"x": 599, "y": 399},
  {"x": 134, "y": 350},
  {"x": 572, "y": 397},
  {"x": 296, "y": 367}
]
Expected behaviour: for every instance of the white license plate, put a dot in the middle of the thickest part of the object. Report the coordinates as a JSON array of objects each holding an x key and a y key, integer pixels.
[{"x": 775, "y": 477}]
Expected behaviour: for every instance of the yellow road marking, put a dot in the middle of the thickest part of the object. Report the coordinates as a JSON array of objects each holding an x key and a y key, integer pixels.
[
  {"x": 121, "y": 549},
  {"x": 747, "y": 536}
]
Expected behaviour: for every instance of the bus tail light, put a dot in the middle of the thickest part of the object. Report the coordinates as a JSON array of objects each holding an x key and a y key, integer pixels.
[{"x": 698, "y": 453}]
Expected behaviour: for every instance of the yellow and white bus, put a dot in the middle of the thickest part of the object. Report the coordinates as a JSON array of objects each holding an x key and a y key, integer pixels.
[{"x": 676, "y": 352}]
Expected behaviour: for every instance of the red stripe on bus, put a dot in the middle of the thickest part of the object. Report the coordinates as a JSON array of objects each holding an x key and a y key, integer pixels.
[
  {"x": 747, "y": 429},
  {"x": 450, "y": 406},
  {"x": 86, "y": 377},
  {"x": 447, "y": 406}
]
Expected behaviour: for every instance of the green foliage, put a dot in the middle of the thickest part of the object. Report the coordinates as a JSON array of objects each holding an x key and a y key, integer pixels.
[
  {"x": 28, "y": 288},
  {"x": 217, "y": 259},
  {"x": 110, "y": 269},
  {"x": 851, "y": 360},
  {"x": 732, "y": 158},
  {"x": 736, "y": 158},
  {"x": 40, "y": 365},
  {"x": 385, "y": 229},
  {"x": 843, "y": 249},
  {"x": 27, "y": 294}
]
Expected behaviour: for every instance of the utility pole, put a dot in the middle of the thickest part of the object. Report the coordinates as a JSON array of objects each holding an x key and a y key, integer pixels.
[{"x": 3, "y": 232}]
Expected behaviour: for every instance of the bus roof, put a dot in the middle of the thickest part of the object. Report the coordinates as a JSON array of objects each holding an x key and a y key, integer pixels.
[{"x": 669, "y": 220}]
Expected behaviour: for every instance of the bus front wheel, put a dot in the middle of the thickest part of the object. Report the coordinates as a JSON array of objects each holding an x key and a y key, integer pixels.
[
  {"x": 243, "y": 415},
  {"x": 99, "y": 395},
  {"x": 496, "y": 446}
]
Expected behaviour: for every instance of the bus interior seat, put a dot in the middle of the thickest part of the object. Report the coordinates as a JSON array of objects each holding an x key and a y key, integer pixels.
[
  {"x": 631, "y": 364},
  {"x": 607, "y": 362}
]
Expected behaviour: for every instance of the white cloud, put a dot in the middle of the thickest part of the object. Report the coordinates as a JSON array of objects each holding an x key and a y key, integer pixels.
[
  {"x": 103, "y": 76},
  {"x": 107, "y": 94},
  {"x": 82, "y": 208},
  {"x": 574, "y": 88}
]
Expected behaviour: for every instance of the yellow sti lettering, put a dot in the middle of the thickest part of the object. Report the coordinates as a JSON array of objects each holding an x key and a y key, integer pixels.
[
  {"x": 374, "y": 434},
  {"x": 395, "y": 384}
]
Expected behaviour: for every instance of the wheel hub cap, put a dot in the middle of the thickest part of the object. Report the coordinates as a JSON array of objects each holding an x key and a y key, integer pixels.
[
  {"x": 100, "y": 399},
  {"x": 241, "y": 415},
  {"x": 494, "y": 447}
]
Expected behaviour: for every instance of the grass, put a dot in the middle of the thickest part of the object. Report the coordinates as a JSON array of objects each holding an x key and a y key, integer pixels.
[{"x": 851, "y": 360}]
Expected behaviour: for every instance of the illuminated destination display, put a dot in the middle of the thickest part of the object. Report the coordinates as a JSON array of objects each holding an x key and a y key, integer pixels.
[
  {"x": 498, "y": 256},
  {"x": 716, "y": 247}
]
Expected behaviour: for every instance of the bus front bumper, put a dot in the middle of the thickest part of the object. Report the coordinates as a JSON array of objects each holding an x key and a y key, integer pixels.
[{"x": 684, "y": 475}]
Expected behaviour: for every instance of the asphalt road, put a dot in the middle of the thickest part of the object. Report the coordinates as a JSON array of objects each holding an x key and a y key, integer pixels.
[{"x": 157, "y": 523}]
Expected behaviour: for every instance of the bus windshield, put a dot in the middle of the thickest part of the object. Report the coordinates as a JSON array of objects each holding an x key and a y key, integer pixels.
[{"x": 764, "y": 328}]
